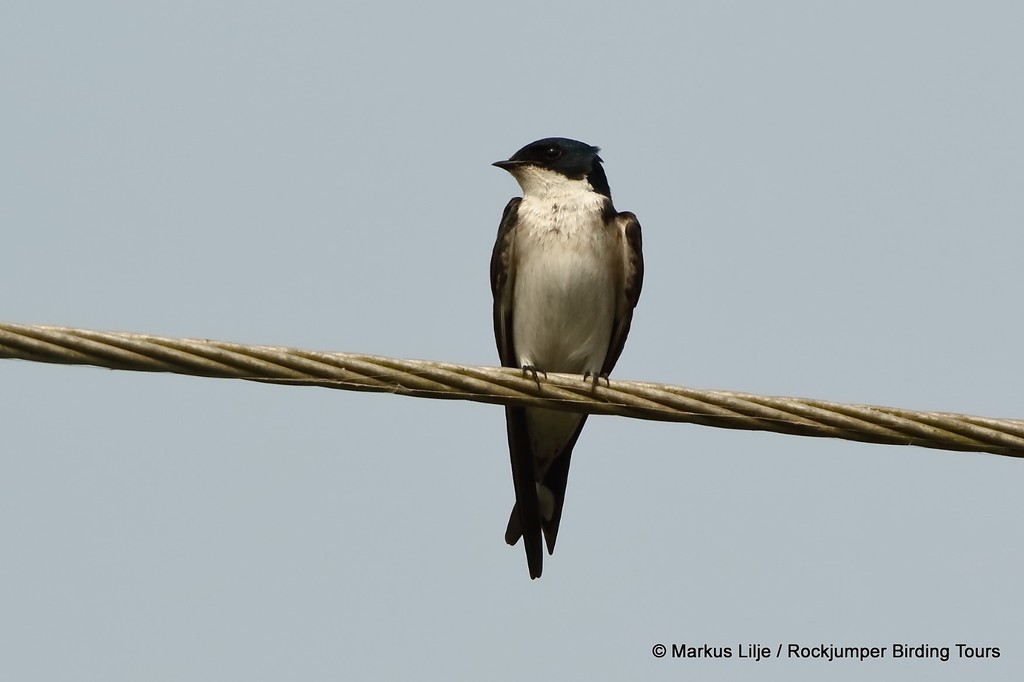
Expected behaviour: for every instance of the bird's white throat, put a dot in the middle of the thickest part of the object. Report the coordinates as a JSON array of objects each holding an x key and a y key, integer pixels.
[{"x": 546, "y": 184}]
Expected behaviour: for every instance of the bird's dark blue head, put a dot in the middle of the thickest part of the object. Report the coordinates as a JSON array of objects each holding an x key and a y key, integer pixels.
[{"x": 572, "y": 158}]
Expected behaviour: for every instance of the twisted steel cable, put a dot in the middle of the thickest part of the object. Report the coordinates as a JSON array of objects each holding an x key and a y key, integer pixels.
[{"x": 659, "y": 402}]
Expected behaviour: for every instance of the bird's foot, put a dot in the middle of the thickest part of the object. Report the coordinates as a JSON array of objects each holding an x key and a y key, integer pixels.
[
  {"x": 595, "y": 378},
  {"x": 532, "y": 369}
]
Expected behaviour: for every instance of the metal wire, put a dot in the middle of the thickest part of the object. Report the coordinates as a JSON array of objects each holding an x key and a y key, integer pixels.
[{"x": 424, "y": 379}]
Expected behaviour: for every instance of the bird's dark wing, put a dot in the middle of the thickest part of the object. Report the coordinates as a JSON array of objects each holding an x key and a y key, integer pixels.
[
  {"x": 555, "y": 480},
  {"x": 502, "y": 280},
  {"x": 525, "y": 521},
  {"x": 633, "y": 275}
]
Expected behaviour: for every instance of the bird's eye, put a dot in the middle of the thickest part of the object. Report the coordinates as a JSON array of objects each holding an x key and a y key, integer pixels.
[{"x": 551, "y": 153}]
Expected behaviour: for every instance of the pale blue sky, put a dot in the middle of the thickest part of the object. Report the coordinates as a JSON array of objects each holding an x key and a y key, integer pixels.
[{"x": 831, "y": 197}]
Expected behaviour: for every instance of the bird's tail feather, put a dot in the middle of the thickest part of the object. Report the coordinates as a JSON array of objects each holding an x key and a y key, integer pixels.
[{"x": 525, "y": 521}]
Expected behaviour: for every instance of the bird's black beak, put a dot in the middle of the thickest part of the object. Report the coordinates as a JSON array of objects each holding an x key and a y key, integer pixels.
[{"x": 508, "y": 165}]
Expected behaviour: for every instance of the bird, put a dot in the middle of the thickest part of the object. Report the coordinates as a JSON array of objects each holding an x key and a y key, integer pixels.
[{"x": 566, "y": 274}]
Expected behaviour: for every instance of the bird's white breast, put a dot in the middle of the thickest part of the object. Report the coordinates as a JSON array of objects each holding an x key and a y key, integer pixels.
[{"x": 565, "y": 282}]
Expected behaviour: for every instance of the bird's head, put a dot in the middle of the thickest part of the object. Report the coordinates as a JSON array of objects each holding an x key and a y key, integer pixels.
[{"x": 552, "y": 161}]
